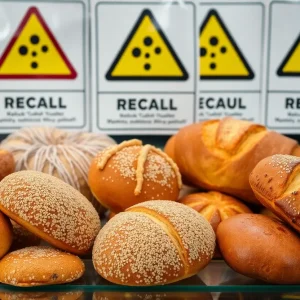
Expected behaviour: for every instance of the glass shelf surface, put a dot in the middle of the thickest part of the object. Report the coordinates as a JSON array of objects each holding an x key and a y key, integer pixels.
[{"x": 216, "y": 282}]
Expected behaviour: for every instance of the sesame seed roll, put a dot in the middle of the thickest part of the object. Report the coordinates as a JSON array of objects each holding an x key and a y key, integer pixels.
[
  {"x": 51, "y": 209},
  {"x": 129, "y": 173},
  {"x": 153, "y": 243},
  {"x": 275, "y": 182}
]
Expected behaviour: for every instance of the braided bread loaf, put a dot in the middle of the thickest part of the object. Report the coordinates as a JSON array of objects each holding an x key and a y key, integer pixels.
[
  {"x": 63, "y": 154},
  {"x": 220, "y": 154},
  {"x": 276, "y": 184}
]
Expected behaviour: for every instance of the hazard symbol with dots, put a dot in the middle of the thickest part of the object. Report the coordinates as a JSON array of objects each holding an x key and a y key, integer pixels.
[
  {"x": 34, "y": 53},
  {"x": 291, "y": 63},
  {"x": 147, "y": 54},
  {"x": 220, "y": 57}
]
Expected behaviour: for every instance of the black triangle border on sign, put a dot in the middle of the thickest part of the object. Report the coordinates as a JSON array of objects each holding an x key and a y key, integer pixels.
[
  {"x": 213, "y": 12},
  {"x": 148, "y": 13},
  {"x": 287, "y": 58}
]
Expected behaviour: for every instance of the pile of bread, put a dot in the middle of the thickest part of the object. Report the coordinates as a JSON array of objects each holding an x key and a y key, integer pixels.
[{"x": 53, "y": 183}]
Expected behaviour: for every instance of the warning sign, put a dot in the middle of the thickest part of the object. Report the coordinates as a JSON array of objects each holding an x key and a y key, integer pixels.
[
  {"x": 291, "y": 63},
  {"x": 220, "y": 56},
  {"x": 33, "y": 52},
  {"x": 145, "y": 76},
  {"x": 230, "y": 57},
  {"x": 44, "y": 64},
  {"x": 283, "y": 90},
  {"x": 147, "y": 54}
]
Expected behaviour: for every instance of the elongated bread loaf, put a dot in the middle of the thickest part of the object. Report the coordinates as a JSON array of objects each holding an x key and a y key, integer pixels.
[{"x": 220, "y": 154}]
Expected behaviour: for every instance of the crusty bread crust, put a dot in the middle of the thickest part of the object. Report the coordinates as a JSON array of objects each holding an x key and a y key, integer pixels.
[
  {"x": 276, "y": 184},
  {"x": 215, "y": 207}
]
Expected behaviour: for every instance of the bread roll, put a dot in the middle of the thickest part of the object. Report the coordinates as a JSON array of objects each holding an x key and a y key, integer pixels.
[
  {"x": 6, "y": 235},
  {"x": 260, "y": 247},
  {"x": 51, "y": 209},
  {"x": 215, "y": 207},
  {"x": 219, "y": 155},
  {"x": 153, "y": 243},
  {"x": 34, "y": 266},
  {"x": 129, "y": 173},
  {"x": 276, "y": 184},
  {"x": 7, "y": 163},
  {"x": 64, "y": 154}
]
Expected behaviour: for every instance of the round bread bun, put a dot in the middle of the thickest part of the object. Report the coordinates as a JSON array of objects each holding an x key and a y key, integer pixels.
[
  {"x": 129, "y": 173},
  {"x": 260, "y": 247},
  {"x": 63, "y": 154},
  {"x": 51, "y": 209},
  {"x": 34, "y": 266},
  {"x": 7, "y": 163},
  {"x": 6, "y": 235},
  {"x": 22, "y": 238},
  {"x": 153, "y": 243},
  {"x": 13, "y": 295},
  {"x": 215, "y": 207}
]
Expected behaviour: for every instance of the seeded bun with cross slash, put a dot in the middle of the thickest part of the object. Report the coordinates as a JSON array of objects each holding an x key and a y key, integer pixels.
[
  {"x": 153, "y": 243},
  {"x": 129, "y": 173}
]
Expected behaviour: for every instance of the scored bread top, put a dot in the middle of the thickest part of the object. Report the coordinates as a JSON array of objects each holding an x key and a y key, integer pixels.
[
  {"x": 132, "y": 249},
  {"x": 232, "y": 133},
  {"x": 215, "y": 206},
  {"x": 155, "y": 242},
  {"x": 52, "y": 207},
  {"x": 195, "y": 233}
]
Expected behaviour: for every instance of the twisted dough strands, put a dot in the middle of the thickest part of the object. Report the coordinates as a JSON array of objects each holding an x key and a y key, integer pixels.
[{"x": 63, "y": 154}]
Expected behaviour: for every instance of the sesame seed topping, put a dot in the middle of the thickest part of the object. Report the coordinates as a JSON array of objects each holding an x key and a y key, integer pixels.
[
  {"x": 285, "y": 163},
  {"x": 152, "y": 164},
  {"x": 52, "y": 206}
]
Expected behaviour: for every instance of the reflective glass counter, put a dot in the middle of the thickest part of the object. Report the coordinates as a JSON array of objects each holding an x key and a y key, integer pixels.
[{"x": 216, "y": 282}]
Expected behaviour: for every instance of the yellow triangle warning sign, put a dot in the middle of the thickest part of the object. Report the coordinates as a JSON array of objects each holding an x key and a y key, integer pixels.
[
  {"x": 34, "y": 53},
  {"x": 147, "y": 54},
  {"x": 291, "y": 63},
  {"x": 220, "y": 57}
]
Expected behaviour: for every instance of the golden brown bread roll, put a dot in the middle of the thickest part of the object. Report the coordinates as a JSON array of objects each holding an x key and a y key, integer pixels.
[
  {"x": 64, "y": 154},
  {"x": 7, "y": 163},
  {"x": 215, "y": 207},
  {"x": 34, "y": 266},
  {"x": 220, "y": 154},
  {"x": 129, "y": 173},
  {"x": 276, "y": 184},
  {"x": 153, "y": 243},
  {"x": 51, "y": 209},
  {"x": 260, "y": 247},
  {"x": 6, "y": 235}
]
